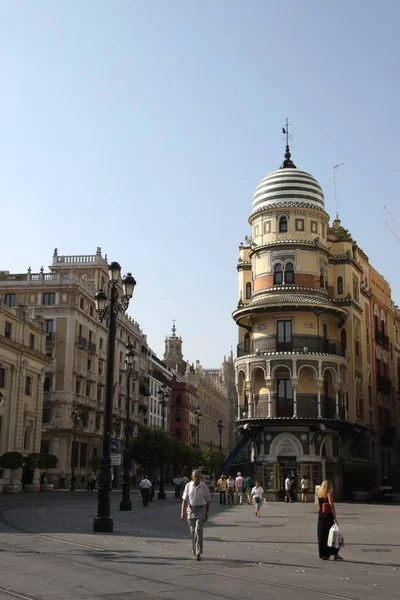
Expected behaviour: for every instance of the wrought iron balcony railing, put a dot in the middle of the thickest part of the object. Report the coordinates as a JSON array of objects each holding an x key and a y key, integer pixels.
[
  {"x": 381, "y": 338},
  {"x": 294, "y": 343}
]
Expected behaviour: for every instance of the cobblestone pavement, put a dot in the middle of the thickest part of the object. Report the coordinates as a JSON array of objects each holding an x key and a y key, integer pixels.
[{"x": 47, "y": 550}]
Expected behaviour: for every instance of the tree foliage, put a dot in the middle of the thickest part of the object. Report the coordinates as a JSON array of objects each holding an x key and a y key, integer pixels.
[
  {"x": 151, "y": 447},
  {"x": 12, "y": 461},
  {"x": 211, "y": 461},
  {"x": 47, "y": 461},
  {"x": 342, "y": 234}
]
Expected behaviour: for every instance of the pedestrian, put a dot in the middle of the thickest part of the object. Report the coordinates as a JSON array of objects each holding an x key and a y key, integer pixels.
[
  {"x": 185, "y": 481},
  {"x": 62, "y": 480},
  {"x": 93, "y": 480},
  {"x": 222, "y": 485},
  {"x": 305, "y": 484},
  {"x": 212, "y": 486},
  {"x": 248, "y": 486},
  {"x": 239, "y": 488},
  {"x": 145, "y": 489},
  {"x": 257, "y": 496},
  {"x": 177, "y": 483},
  {"x": 326, "y": 518},
  {"x": 288, "y": 489},
  {"x": 231, "y": 489},
  {"x": 197, "y": 496}
]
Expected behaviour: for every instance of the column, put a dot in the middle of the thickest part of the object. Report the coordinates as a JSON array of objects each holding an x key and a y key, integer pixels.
[
  {"x": 238, "y": 401},
  {"x": 294, "y": 388},
  {"x": 250, "y": 411},
  {"x": 269, "y": 402},
  {"x": 319, "y": 390}
]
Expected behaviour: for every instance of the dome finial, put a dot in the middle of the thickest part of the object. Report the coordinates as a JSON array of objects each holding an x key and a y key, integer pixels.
[{"x": 287, "y": 163}]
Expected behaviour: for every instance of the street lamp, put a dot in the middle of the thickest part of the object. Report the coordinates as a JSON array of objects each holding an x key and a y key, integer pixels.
[
  {"x": 198, "y": 418},
  {"x": 220, "y": 428},
  {"x": 76, "y": 416},
  {"x": 108, "y": 306},
  {"x": 163, "y": 396},
  {"x": 126, "y": 503}
]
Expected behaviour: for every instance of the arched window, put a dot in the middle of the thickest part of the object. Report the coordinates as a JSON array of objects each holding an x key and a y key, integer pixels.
[
  {"x": 322, "y": 280},
  {"x": 247, "y": 342},
  {"x": 382, "y": 321},
  {"x": 248, "y": 291},
  {"x": 278, "y": 274},
  {"x": 340, "y": 285},
  {"x": 343, "y": 339},
  {"x": 289, "y": 274},
  {"x": 283, "y": 225}
]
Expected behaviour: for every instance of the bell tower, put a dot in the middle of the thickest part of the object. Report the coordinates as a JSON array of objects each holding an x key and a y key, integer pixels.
[{"x": 173, "y": 355}]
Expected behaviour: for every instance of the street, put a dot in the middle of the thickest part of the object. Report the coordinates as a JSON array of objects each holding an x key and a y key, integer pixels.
[{"x": 48, "y": 551}]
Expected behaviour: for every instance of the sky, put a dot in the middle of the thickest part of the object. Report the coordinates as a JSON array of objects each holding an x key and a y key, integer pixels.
[{"x": 145, "y": 127}]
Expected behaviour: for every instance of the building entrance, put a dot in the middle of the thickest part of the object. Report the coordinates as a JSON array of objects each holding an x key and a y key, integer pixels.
[{"x": 287, "y": 466}]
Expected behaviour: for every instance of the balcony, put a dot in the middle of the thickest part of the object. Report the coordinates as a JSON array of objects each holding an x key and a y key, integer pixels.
[
  {"x": 91, "y": 348},
  {"x": 384, "y": 383},
  {"x": 47, "y": 396},
  {"x": 50, "y": 367},
  {"x": 80, "y": 371},
  {"x": 306, "y": 408},
  {"x": 82, "y": 342},
  {"x": 296, "y": 343},
  {"x": 85, "y": 401},
  {"x": 50, "y": 337},
  {"x": 381, "y": 338}
]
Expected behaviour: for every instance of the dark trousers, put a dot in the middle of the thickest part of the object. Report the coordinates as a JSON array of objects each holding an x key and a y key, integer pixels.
[
  {"x": 145, "y": 496},
  {"x": 222, "y": 498},
  {"x": 177, "y": 491}
]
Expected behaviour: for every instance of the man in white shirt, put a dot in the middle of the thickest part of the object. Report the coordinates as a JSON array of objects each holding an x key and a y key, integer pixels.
[
  {"x": 288, "y": 489},
  {"x": 145, "y": 488},
  {"x": 177, "y": 483},
  {"x": 239, "y": 487},
  {"x": 197, "y": 497}
]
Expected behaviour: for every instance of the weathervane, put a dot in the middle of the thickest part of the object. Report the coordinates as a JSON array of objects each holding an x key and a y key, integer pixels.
[
  {"x": 285, "y": 131},
  {"x": 335, "y": 168},
  {"x": 287, "y": 163}
]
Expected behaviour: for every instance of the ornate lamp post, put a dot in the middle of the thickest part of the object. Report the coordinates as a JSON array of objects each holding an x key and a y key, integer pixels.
[
  {"x": 76, "y": 417},
  {"x": 126, "y": 503},
  {"x": 220, "y": 428},
  {"x": 109, "y": 306},
  {"x": 163, "y": 396},
  {"x": 198, "y": 418}
]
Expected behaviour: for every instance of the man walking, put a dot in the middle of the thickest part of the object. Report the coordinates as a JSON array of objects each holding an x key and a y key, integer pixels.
[
  {"x": 221, "y": 485},
  {"x": 288, "y": 489},
  {"x": 239, "y": 488},
  {"x": 145, "y": 488},
  {"x": 231, "y": 490},
  {"x": 177, "y": 483},
  {"x": 197, "y": 496}
]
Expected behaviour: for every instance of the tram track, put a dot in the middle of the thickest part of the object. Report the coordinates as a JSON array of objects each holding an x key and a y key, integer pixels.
[{"x": 199, "y": 570}]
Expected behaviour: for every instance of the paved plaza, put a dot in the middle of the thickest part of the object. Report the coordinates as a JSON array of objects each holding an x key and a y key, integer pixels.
[{"x": 48, "y": 552}]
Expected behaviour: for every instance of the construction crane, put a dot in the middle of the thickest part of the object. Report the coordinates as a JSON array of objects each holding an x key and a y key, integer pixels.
[{"x": 391, "y": 217}]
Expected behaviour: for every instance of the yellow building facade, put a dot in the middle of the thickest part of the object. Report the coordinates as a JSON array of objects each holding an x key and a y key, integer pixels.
[{"x": 306, "y": 384}]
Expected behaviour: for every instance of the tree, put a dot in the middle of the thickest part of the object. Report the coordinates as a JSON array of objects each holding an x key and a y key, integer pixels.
[
  {"x": 211, "y": 461},
  {"x": 342, "y": 234},
  {"x": 47, "y": 461},
  {"x": 151, "y": 447},
  {"x": 12, "y": 461},
  {"x": 181, "y": 455}
]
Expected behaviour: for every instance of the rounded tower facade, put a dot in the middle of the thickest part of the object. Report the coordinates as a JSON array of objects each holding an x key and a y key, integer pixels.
[{"x": 291, "y": 369}]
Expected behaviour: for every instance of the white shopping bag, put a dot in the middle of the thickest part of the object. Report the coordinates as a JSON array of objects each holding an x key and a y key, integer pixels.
[
  {"x": 264, "y": 502},
  {"x": 335, "y": 538}
]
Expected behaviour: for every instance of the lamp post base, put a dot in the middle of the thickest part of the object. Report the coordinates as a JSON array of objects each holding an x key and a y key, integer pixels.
[
  {"x": 103, "y": 525},
  {"x": 161, "y": 495},
  {"x": 125, "y": 505}
]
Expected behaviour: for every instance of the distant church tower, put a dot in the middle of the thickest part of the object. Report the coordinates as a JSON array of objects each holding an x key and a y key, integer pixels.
[{"x": 173, "y": 356}]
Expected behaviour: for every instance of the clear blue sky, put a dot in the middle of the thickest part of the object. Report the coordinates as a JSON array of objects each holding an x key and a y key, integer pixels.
[{"x": 144, "y": 128}]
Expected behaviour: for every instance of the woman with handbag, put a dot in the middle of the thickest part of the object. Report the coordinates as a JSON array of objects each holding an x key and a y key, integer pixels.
[
  {"x": 257, "y": 496},
  {"x": 326, "y": 518}
]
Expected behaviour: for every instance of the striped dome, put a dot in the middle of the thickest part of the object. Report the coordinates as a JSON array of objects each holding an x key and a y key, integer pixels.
[{"x": 288, "y": 185}]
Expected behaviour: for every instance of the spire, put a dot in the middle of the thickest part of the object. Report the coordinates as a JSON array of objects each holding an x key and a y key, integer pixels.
[
  {"x": 287, "y": 163},
  {"x": 173, "y": 328}
]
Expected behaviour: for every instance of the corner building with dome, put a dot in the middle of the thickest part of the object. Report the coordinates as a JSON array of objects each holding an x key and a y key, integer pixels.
[{"x": 303, "y": 373}]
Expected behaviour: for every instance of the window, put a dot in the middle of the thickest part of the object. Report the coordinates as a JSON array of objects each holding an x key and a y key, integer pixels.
[
  {"x": 248, "y": 291},
  {"x": 299, "y": 224},
  {"x": 47, "y": 384},
  {"x": 45, "y": 447},
  {"x": 267, "y": 226},
  {"x": 289, "y": 274},
  {"x": 178, "y": 400},
  {"x": 278, "y": 274},
  {"x": 357, "y": 348},
  {"x": 323, "y": 229},
  {"x": 355, "y": 288},
  {"x": 31, "y": 340},
  {"x": 101, "y": 343},
  {"x": 48, "y": 299},
  {"x": 100, "y": 367},
  {"x": 314, "y": 227},
  {"x": 82, "y": 303},
  {"x": 89, "y": 364},
  {"x": 340, "y": 285},
  {"x": 284, "y": 388},
  {"x": 85, "y": 420},
  {"x": 88, "y": 390},
  {"x": 99, "y": 393},
  {"x": 91, "y": 310},
  {"x": 256, "y": 231},
  {"x": 7, "y": 330},
  {"x": 9, "y": 299},
  {"x": 97, "y": 424},
  {"x": 378, "y": 366},
  {"x": 283, "y": 225},
  {"x": 46, "y": 412},
  {"x": 284, "y": 331},
  {"x": 178, "y": 434},
  {"x": 343, "y": 339},
  {"x": 2, "y": 378},
  {"x": 178, "y": 415},
  {"x": 49, "y": 326},
  {"x": 322, "y": 280},
  {"x": 28, "y": 386},
  {"x": 77, "y": 386},
  {"x": 83, "y": 456},
  {"x": 247, "y": 342}
]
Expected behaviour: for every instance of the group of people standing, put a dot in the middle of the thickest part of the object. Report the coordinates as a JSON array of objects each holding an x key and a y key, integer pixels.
[{"x": 231, "y": 487}]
